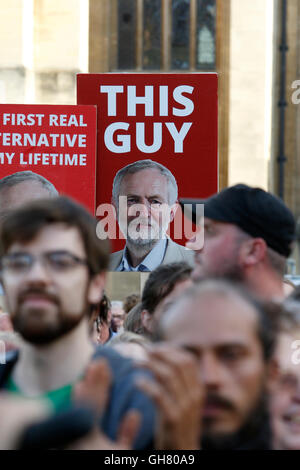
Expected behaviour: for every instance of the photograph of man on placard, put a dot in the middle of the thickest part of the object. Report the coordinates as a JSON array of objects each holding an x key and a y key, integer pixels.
[
  {"x": 21, "y": 187},
  {"x": 145, "y": 199}
]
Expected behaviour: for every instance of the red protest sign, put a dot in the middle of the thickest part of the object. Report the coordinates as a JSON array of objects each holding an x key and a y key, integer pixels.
[
  {"x": 169, "y": 118},
  {"x": 55, "y": 141}
]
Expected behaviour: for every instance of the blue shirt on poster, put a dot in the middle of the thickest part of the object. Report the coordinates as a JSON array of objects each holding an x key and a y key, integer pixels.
[{"x": 152, "y": 260}]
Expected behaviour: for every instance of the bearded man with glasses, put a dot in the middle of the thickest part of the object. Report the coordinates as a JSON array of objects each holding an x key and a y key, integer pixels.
[{"x": 53, "y": 268}]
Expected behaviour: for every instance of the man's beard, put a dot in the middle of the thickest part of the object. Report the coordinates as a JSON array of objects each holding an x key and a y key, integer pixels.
[
  {"x": 232, "y": 273},
  {"x": 143, "y": 238},
  {"x": 253, "y": 434},
  {"x": 31, "y": 323}
]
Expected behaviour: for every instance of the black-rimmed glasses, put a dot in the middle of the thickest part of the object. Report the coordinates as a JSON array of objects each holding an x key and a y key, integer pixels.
[{"x": 54, "y": 261}]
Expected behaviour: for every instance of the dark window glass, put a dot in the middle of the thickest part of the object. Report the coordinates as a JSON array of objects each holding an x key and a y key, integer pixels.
[
  {"x": 152, "y": 34},
  {"x": 180, "y": 34},
  {"x": 127, "y": 34},
  {"x": 206, "y": 35}
]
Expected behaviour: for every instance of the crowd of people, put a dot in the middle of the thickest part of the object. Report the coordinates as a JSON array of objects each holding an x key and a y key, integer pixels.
[{"x": 208, "y": 357}]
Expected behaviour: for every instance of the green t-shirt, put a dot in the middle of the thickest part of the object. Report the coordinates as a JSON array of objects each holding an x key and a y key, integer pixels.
[{"x": 59, "y": 399}]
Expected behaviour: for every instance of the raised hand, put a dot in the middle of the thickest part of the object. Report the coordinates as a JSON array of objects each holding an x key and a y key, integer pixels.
[{"x": 178, "y": 395}]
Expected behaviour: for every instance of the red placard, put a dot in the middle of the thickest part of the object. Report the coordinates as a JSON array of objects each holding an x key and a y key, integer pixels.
[
  {"x": 180, "y": 110},
  {"x": 55, "y": 141}
]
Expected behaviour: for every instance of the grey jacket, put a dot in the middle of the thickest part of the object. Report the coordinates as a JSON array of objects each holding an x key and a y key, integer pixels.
[{"x": 174, "y": 254}]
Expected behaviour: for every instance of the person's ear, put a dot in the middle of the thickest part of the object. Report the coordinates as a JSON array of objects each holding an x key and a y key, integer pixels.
[
  {"x": 96, "y": 288},
  {"x": 173, "y": 211},
  {"x": 146, "y": 320},
  {"x": 115, "y": 206},
  {"x": 252, "y": 251}
]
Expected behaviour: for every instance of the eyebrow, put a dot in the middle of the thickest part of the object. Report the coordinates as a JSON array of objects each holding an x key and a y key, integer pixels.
[
  {"x": 217, "y": 347},
  {"x": 156, "y": 196},
  {"x": 236, "y": 345}
]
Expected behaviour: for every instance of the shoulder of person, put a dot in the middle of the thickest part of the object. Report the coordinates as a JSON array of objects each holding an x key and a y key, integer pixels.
[{"x": 125, "y": 395}]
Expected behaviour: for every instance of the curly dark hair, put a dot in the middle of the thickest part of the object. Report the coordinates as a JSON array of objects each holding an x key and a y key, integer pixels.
[{"x": 130, "y": 302}]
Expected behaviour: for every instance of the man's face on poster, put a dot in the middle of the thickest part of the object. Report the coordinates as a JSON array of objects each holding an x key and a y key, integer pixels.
[
  {"x": 14, "y": 196},
  {"x": 144, "y": 212}
]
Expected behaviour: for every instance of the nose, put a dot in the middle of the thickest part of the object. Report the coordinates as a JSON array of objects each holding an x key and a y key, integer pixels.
[
  {"x": 210, "y": 372},
  {"x": 38, "y": 273},
  {"x": 143, "y": 209}
]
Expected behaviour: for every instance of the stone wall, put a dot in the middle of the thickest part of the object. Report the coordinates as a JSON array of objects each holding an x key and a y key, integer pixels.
[
  {"x": 251, "y": 68},
  {"x": 43, "y": 44}
]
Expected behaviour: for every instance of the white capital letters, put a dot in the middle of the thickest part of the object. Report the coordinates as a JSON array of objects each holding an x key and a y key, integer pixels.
[
  {"x": 140, "y": 137},
  {"x": 178, "y": 136},
  {"x": 133, "y": 100},
  {"x": 111, "y": 91},
  {"x": 186, "y": 102},
  {"x": 123, "y": 139}
]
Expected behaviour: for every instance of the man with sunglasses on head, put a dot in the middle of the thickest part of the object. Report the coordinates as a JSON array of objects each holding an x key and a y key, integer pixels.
[{"x": 53, "y": 269}]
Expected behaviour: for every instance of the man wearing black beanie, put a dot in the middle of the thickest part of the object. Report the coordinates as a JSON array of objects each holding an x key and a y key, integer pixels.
[{"x": 248, "y": 235}]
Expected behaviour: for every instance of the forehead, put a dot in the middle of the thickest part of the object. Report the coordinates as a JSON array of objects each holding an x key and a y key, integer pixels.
[
  {"x": 224, "y": 227},
  {"x": 212, "y": 321},
  {"x": 118, "y": 314},
  {"x": 14, "y": 196},
  {"x": 53, "y": 237},
  {"x": 116, "y": 309},
  {"x": 145, "y": 182}
]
